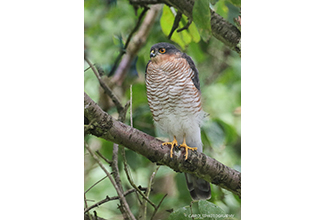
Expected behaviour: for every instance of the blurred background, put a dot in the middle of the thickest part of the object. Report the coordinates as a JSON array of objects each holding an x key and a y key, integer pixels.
[{"x": 108, "y": 24}]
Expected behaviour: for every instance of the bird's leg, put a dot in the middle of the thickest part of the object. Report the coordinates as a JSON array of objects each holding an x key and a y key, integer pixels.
[
  {"x": 173, "y": 143},
  {"x": 186, "y": 148}
]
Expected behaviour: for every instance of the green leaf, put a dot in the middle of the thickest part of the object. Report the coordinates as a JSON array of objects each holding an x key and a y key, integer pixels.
[
  {"x": 210, "y": 211},
  {"x": 236, "y": 2},
  {"x": 182, "y": 38},
  {"x": 166, "y": 23},
  {"x": 166, "y": 20},
  {"x": 192, "y": 29},
  {"x": 233, "y": 12},
  {"x": 227, "y": 10},
  {"x": 205, "y": 210},
  {"x": 221, "y": 8},
  {"x": 180, "y": 214},
  {"x": 201, "y": 18}
]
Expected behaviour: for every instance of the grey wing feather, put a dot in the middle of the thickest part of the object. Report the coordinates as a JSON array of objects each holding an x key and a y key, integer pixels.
[{"x": 195, "y": 79}]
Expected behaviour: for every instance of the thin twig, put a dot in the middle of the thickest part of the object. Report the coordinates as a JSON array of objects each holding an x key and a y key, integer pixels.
[
  {"x": 136, "y": 26},
  {"x": 104, "y": 158},
  {"x": 122, "y": 114},
  {"x": 151, "y": 180},
  {"x": 107, "y": 90},
  {"x": 86, "y": 206},
  {"x": 123, "y": 50},
  {"x": 147, "y": 193},
  {"x": 87, "y": 68},
  {"x": 177, "y": 19},
  {"x": 138, "y": 40},
  {"x": 131, "y": 115},
  {"x": 116, "y": 174},
  {"x": 117, "y": 60},
  {"x": 125, "y": 205},
  {"x": 107, "y": 199},
  {"x": 126, "y": 168},
  {"x": 115, "y": 167},
  {"x": 95, "y": 184},
  {"x": 156, "y": 209},
  {"x": 186, "y": 26}
]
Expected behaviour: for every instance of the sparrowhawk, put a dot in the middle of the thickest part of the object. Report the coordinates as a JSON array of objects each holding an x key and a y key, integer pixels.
[{"x": 174, "y": 98}]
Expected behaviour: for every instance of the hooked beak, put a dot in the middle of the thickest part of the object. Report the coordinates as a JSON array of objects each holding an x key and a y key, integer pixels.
[{"x": 152, "y": 54}]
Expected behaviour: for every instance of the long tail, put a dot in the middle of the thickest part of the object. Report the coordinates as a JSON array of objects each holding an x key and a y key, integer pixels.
[{"x": 199, "y": 188}]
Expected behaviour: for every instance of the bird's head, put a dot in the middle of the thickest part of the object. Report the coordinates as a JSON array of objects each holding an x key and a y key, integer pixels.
[{"x": 160, "y": 50}]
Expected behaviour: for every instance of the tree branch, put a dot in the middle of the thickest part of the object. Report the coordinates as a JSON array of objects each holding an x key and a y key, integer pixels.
[
  {"x": 128, "y": 175},
  {"x": 197, "y": 163},
  {"x": 221, "y": 29},
  {"x": 110, "y": 199},
  {"x": 125, "y": 205},
  {"x": 136, "y": 44},
  {"x": 107, "y": 90},
  {"x": 123, "y": 50}
]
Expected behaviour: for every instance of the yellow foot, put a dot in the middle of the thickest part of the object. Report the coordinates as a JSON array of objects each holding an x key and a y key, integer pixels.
[
  {"x": 186, "y": 148},
  {"x": 173, "y": 143}
]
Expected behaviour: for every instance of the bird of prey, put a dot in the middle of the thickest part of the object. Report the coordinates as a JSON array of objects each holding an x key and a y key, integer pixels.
[{"x": 174, "y": 98}]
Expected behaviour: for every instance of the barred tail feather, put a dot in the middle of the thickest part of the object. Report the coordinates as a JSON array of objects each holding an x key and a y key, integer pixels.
[{"x": 199, "y": 188}]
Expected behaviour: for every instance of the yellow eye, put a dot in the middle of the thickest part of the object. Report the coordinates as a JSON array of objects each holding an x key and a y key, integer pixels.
[{"x": 162, "y": 50}]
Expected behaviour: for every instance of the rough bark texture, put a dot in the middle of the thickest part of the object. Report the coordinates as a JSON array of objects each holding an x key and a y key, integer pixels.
[
  {"x": 105, "y": 126},
  {"x": 220, "y": 28}
]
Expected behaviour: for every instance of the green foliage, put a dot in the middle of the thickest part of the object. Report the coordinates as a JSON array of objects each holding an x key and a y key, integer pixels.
[
  {"x": 236, "y": 2},
  {"x": 210, "y": 210},
  {"x": 228, "y": 9},
  {"x": 106, "y": 26},
  {"x": 201, "y": 17},
  {"x": 182, "y": 38},
  {"x": 202, "y": 210},
  {"x": 181, "y": 213}
]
